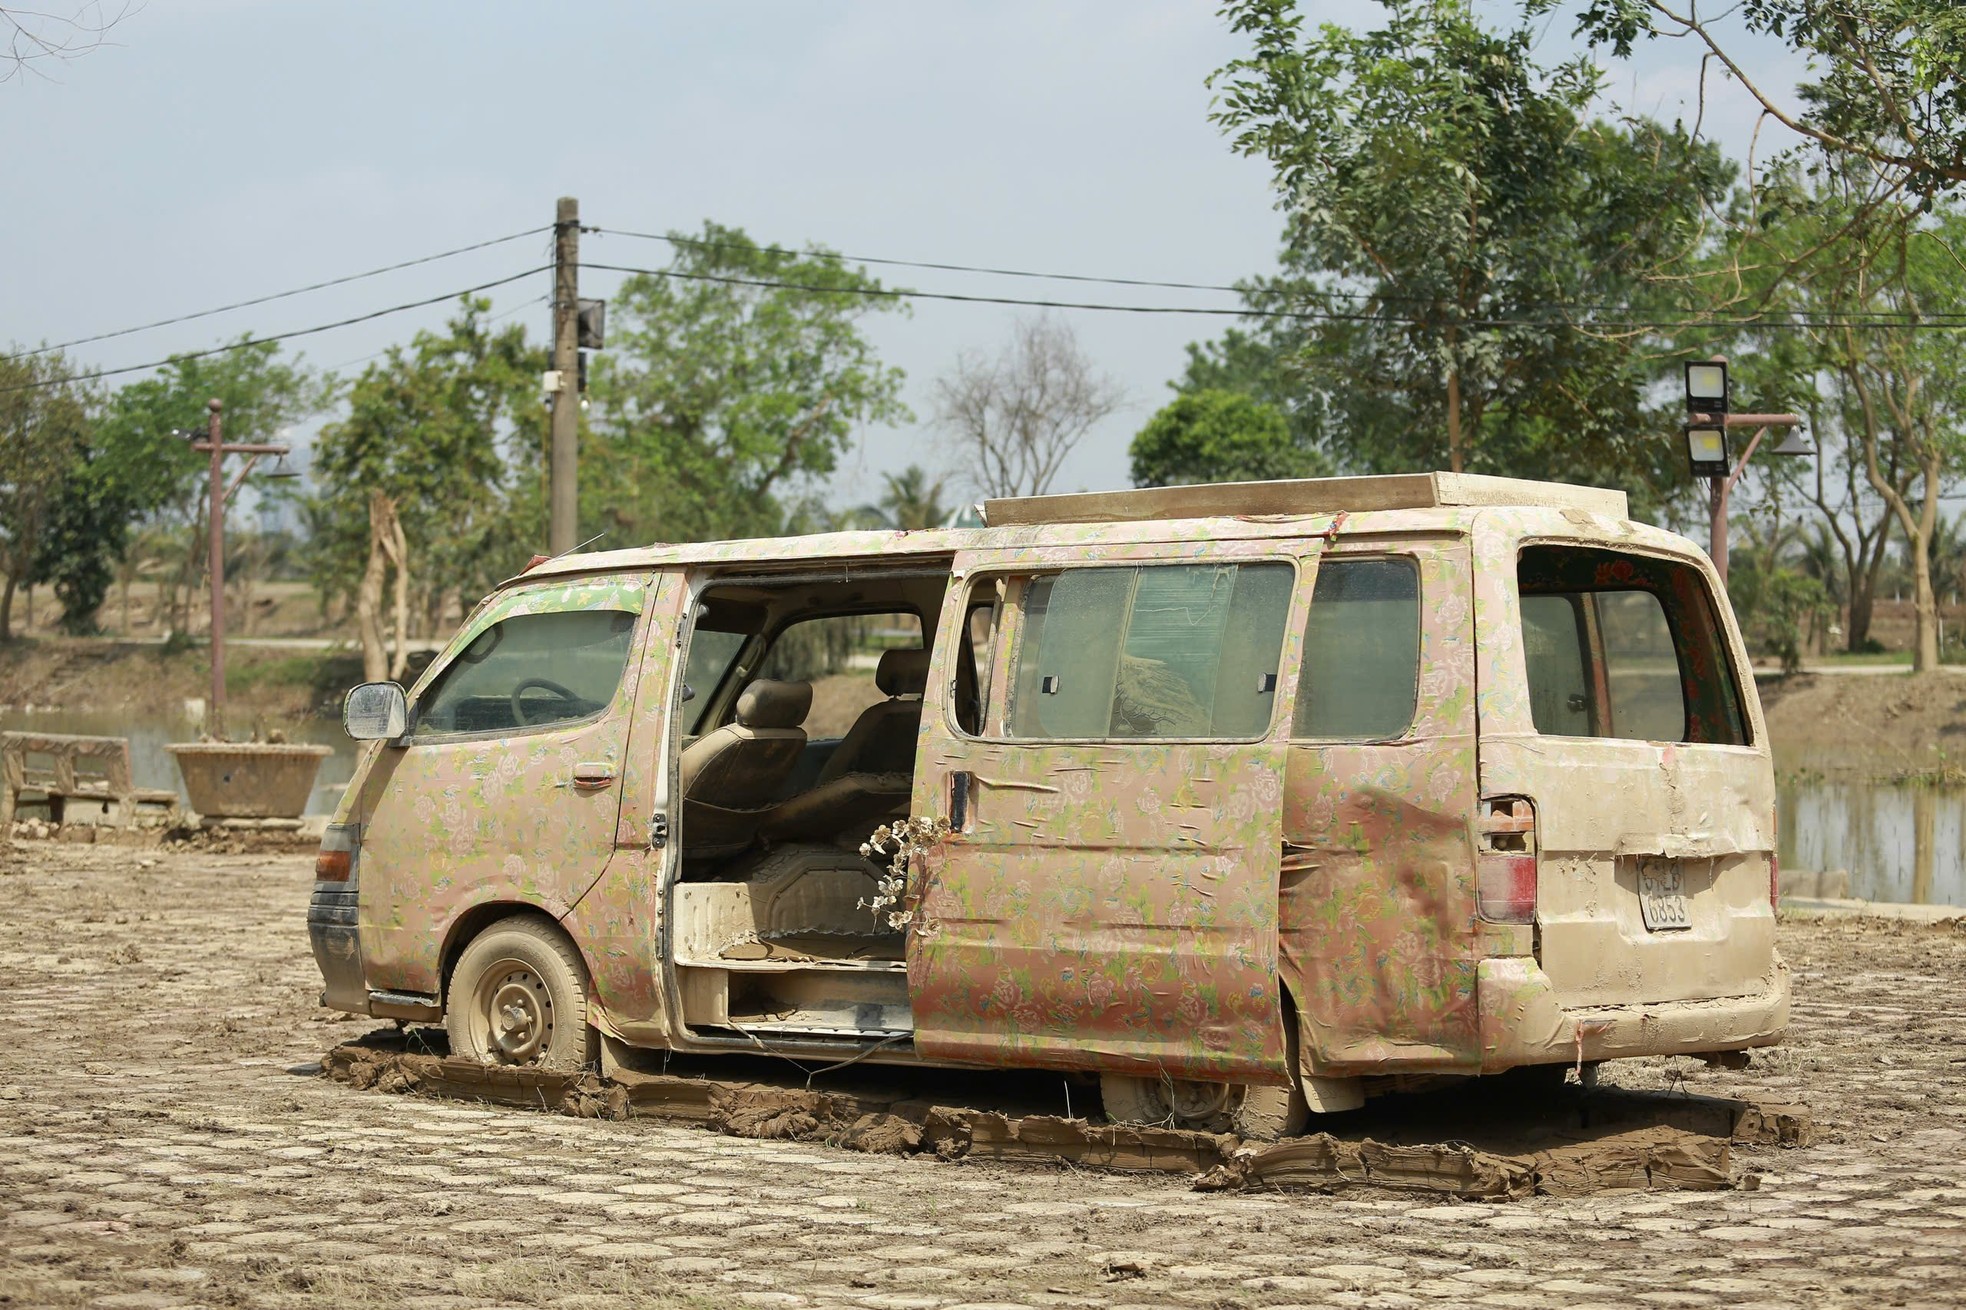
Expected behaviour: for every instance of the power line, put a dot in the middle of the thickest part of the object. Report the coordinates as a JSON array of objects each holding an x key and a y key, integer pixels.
[
  {"x": 1953, "y": 323},
  {"x": 282, "y": 295},
  {"x": 919, "y": 263},
  {"x": 499, "y": 317},
  {"x": 273, "y": 337},
  {"x": 1229, "y": 288}
]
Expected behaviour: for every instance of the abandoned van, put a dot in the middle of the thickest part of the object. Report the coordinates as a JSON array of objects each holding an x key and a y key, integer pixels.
[{"x": 1248, "y": 800}]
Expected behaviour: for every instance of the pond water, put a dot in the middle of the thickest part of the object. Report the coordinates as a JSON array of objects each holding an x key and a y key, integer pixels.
[
  {"x": 1898, "y": 841},
  {"x": 152, "y": 766},
  {"x": 1895, "y": 842}
]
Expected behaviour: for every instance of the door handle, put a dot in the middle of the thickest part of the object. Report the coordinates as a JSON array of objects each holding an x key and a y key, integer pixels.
[
  {"x": 961, "y": 783},
  {"x": 592, "y": 777}
]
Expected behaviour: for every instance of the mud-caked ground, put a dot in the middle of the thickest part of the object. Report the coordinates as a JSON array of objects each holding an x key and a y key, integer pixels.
[{"x": 165, "y": 1139}]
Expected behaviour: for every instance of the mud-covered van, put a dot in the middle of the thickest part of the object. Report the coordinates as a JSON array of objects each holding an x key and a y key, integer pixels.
[{"x": 1246, "y": 799}]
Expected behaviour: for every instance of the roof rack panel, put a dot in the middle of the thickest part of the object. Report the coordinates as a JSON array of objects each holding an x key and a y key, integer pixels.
[{"x": 1301, "y": 496}]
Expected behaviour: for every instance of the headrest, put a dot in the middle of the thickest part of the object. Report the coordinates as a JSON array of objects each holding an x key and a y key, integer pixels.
[
  {"x": 902, "y": 672},
  {"x": 768, "y": 704}
]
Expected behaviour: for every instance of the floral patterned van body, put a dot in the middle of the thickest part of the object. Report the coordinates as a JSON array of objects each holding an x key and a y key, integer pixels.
[{"x": 1248, "y": 800}]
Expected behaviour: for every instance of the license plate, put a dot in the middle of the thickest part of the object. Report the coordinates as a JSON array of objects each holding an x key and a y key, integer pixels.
[{"x": 1662, "y": 896}]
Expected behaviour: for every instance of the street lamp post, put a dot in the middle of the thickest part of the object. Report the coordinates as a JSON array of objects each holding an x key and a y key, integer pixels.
[
  {"x": 216, "y": 445},
  {"x": 1708, "y": 421}
]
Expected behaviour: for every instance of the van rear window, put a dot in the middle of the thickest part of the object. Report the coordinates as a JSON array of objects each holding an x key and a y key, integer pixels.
[{"x": 1628, "y": 646}]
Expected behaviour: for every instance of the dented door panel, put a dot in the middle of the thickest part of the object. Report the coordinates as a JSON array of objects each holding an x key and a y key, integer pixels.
[
  {"x": 1378, "y": 900},
  {"x": 1108, "y": 905}
]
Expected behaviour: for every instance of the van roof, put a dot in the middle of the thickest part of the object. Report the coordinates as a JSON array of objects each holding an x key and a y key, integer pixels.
[{"x": 1301, "y": 496}]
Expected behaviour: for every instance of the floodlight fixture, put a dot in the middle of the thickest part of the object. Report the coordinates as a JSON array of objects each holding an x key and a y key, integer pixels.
[
  {"x": 1706, "y": 450},
  {"x": 1706, "y": 386}
]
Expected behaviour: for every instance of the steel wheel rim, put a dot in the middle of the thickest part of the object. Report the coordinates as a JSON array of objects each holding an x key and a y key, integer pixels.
[{"x": 513, "y": 1011}]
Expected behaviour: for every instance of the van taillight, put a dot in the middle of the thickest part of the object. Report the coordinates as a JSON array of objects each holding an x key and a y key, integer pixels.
[
  {"x": 1505, "y": 864},
  {"x": 336, "y": 862}
]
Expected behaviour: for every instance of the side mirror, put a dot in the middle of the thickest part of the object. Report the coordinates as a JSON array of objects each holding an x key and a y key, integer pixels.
[{"x": 376, "y": 711}]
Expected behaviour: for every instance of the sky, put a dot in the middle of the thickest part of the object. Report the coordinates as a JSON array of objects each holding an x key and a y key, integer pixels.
[{"x": 217, "y": 150}]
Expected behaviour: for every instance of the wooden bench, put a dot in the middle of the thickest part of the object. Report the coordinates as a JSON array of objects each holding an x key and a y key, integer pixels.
[{"x": 47, "y": 763}]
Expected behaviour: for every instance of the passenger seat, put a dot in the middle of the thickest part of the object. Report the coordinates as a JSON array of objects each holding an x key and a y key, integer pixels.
[
  {"x": 730, "y": 776},
  {"x": 871, "y": 774}
]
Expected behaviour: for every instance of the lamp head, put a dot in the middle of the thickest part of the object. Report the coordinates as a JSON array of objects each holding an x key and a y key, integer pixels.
[
  {"x": 1706, "y": 450},
  {"x": 1706, "y": 386}
]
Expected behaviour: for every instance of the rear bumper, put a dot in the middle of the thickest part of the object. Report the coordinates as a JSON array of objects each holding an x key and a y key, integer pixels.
[
  {"x": 1522, "y": 1022},
  {"x": 334, "y": 930}
]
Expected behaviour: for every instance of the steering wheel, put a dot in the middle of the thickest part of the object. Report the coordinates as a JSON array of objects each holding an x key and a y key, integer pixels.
[{"x": 519, "y": 715}]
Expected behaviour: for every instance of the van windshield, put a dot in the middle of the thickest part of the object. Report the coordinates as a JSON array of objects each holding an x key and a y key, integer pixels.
[{"x": 1622, "y": 645}]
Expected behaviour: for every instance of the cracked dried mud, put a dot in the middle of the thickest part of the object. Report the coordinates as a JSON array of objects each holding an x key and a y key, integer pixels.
[{"x": 164, "y": 1142}]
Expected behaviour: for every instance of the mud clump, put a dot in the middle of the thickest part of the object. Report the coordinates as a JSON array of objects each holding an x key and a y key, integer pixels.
[{"x": 1574, "y": 1146}]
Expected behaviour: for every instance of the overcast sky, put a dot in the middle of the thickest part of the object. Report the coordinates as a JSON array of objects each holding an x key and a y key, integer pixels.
[{"x": 219, "y": 150}]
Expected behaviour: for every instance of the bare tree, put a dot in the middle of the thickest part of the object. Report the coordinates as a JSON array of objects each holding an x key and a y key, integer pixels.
[
  {"x": 1019, "y": 414},
  {"x": 61, "y": 31}
]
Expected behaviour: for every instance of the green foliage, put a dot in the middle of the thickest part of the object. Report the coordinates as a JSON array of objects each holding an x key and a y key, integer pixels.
[
  {"x": 449, "y": 428},
  {"x": 45, "y": 434},
  {"x": 154, "y": 469},
  {"x": 910, "y": 500},
  {"x": 1219, "y": 436},
  {"x": 1776, "y": 604},
  {"x": 1451, "y": 203},
  {"x": 1887, "y": 85},
  {"x": 142, "y": 470},
  {"x": 717, "y": 393},
  {"x": 87, "y": 530}
]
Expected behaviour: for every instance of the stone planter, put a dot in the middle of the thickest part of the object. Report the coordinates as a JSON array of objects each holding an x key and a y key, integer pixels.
[{"x": 248, "y": 779}]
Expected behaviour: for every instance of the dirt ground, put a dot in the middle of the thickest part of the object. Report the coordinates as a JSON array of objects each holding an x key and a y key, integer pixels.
[
  {"x": 1878, "y": 725},
  {"x": 166, "y": 1139}
]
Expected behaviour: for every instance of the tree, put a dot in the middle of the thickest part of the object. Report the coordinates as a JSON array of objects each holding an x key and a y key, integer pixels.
[
  {"x": 1219, "y": 436},
  {"x": 59, "y": 31},
  {"x": 419, "y": 462},
  {"x": 1851, "y": 288},
  {"x": 1889, "y": 94},
  {"x": 1470, "y": 254},
  {"x": 150, "y": 474},
  {"x": 44, "y": 435},
  {"x": 729, "y": 377},
  {"x": 910, "y": 500},
  {"x": 1019, "y": 414}
]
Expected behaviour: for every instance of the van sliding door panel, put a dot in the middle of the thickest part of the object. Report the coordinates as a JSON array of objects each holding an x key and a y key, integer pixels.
[
  {"x": 1112, "y": 904},
  {"x": 1378, "y": 896}
]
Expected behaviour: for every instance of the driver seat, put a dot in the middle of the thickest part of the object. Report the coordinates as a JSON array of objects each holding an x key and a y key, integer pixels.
[{"x": 729, "y": 777}]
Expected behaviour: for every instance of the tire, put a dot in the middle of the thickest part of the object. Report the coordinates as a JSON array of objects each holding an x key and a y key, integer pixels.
[
  {"x": 518, "y": 998},
  {"x": 1254, "y": 1111},
  {"x": 1259, "y": 1113}
]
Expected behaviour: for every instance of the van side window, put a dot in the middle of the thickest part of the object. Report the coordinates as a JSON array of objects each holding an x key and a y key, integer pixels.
[
  {"x": 1361, "y": 674},
  {"x": 1628, "y": 646},
  {"x": 530, "y": 671},
  {"x": 1161, "y": 651}
]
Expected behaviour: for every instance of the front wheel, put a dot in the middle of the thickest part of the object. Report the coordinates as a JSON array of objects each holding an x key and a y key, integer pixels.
[{"x": 518, "y": 997}]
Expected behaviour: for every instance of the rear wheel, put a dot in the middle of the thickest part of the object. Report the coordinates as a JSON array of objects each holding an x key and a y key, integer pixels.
[
  {"x": 518, "y": 997},
  {"x": 1248, "y": 1110}
]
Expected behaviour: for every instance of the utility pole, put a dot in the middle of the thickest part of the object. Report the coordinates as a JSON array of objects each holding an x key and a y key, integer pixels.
[
  {"x": 214, "y": 442},
  {"x": 562, "y": 492}
]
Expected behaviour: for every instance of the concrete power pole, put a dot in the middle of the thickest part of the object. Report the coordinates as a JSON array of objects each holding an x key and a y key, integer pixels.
[{"x": 562, "y": 494}]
